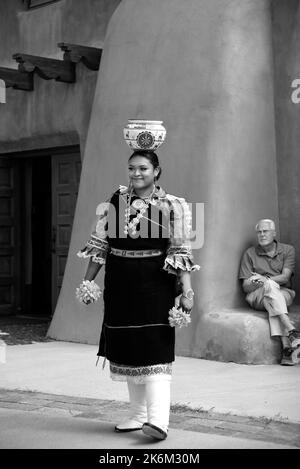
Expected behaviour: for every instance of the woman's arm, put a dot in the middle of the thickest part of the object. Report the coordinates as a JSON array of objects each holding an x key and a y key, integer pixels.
[
  {"x": 185, "y": 280},
  {"x": 187, "y": 298},
  {"x": 179, "y": 259},
  {"x": 92, "y": 270}
]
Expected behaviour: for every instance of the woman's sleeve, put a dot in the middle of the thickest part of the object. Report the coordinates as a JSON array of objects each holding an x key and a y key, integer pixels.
[
  {"x": 179, "y": 252},
  {"x": 97, "y": 246}
]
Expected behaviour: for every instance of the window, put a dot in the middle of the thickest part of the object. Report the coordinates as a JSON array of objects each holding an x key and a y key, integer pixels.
[{"x": 37, "y": 3}]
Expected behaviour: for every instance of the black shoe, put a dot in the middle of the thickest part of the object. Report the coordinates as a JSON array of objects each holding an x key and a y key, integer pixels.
[
  {"x": 129, "y": 426},
  {"x": 294, "y": 338},
  {"x": 287, "y": 357},
  {"x": 152, "y": 430},
  {"x": 125, "y": 430}
]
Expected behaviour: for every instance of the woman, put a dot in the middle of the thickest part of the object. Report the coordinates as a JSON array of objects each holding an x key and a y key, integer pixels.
[{"x": 142, "y": 237}]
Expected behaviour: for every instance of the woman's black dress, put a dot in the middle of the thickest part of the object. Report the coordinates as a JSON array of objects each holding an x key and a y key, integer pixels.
[{"x": 139, "y": 292}]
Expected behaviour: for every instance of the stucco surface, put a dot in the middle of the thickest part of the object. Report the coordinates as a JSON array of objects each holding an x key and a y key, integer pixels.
[
  {"x": 286, "y": 39},
  {"x": 207, "y": 72},
  {"x": 53, "y": 108}
]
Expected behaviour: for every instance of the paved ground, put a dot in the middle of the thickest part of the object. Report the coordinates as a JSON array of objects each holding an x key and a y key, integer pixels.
[
  {"x": 210, "y": 430},
  {"x": 266, "y": 391},
  {"x": 23, "y": 330},
  {"x": 53, "y": 396}
]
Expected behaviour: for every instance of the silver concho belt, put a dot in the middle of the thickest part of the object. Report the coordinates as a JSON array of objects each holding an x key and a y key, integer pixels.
[{"x": 139, "y": 253}]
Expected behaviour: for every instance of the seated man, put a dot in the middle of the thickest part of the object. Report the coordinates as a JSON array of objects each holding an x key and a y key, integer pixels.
[{"x": 266, "y": 271}]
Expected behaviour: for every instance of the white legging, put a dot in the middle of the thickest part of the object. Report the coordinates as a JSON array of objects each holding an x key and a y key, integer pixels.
[
  {"x": 158, "y": 402},
  {"x": 150, "y": 402}
]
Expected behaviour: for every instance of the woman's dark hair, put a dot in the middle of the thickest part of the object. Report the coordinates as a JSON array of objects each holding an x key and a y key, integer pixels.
[{"x": 151, "y": 157}]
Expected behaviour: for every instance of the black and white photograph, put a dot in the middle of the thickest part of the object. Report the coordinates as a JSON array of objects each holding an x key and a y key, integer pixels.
[{"x": 149, "y": 229}]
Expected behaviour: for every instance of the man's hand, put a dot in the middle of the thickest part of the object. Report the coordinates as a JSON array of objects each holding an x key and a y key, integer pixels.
[
  {"x": 254, "y": 282},
  {"x": 258, "y": 279}
]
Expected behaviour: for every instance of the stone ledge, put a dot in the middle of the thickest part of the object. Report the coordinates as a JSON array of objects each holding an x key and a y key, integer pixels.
[{"x": 239, "y": 335}]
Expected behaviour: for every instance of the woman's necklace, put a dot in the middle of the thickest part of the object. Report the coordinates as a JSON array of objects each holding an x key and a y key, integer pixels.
[{"x": 138, "y": 205}]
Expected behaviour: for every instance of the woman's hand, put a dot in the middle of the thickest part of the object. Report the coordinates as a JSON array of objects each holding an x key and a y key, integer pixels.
[
  {"x": 87, "y": 302},
  {"x": 88, "y": 292},
  {"x": 186, "y": 304}
]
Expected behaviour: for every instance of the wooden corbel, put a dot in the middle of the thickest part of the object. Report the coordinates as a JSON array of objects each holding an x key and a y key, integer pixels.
[
  {"x": 16, "y": 79},
  {"x": 89, "y": 56},
  {"x": 48, "y": 69}
]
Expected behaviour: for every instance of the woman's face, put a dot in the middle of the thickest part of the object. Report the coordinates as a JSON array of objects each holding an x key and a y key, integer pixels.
[{"x": 141, "y": 172}]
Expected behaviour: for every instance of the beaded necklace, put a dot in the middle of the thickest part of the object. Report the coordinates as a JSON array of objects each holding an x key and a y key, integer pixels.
[{"x": 140, "y": 206}]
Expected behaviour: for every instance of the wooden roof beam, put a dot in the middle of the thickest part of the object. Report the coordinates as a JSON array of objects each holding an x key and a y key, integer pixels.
[
  {"x": 46, "y": 68},
  {"x": 16, "y": 79},
  {"x": 89, "y": 56}
]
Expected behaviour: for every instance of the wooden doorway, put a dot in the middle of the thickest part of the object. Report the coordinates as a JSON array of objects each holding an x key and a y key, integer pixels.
[
  {"x": 66, "y": 171},
  {"x": 46, "y": 187},
  {"x": 9, "y": 236}
]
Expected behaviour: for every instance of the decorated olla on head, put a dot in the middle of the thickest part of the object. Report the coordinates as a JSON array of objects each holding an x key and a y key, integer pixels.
[
  {"x": 145, "y": 140},
  {"x": 144, "y": 134}
]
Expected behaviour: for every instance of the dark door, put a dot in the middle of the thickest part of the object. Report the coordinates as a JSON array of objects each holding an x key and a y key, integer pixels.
[
  {"x": 38, "y": 192},
  {"x": 66, "y": 169},
  {"x": 9, "y": 236},
  {"x": 37, "y": 244}
]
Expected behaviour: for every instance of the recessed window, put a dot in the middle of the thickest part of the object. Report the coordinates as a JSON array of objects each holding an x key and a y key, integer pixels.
[{"x": 38, "y": 3}]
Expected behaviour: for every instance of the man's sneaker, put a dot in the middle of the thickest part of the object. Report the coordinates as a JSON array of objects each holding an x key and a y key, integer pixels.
[
  {"x": 296, "y": 355},
  {"x": 294, "y": 338},
  {"x": 287, "y": 357}
]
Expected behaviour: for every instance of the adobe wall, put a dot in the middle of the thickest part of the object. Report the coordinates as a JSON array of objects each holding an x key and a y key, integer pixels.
[
  {"x": 286, "y": 40},
  {"x": 54, "y": 114},
  {"x": 207, "y": 72}
]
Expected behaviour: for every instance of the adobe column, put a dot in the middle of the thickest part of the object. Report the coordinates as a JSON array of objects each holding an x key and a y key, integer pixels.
[{"x": 204, "y": 67}]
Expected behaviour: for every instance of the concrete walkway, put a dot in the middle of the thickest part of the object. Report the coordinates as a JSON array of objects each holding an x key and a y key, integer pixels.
[
  {"x": 58, "y": 429},
  {"x": 64, "y": 368}
]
